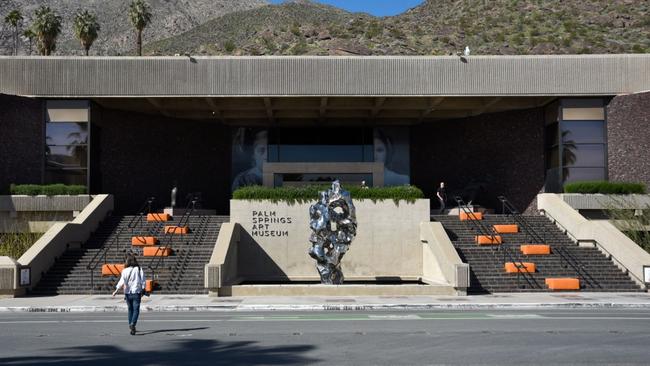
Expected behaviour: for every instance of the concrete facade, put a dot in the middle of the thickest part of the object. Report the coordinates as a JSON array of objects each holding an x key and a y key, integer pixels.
[
  {"x": 22, "y": 154},
  {"x": 37, "y": 214},
  {"x": 387, "y": 245},
  {"x": 628, "y": 135}
]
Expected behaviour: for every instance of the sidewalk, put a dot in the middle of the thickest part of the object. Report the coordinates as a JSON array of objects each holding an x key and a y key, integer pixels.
[{"x": 105, "y": 303}]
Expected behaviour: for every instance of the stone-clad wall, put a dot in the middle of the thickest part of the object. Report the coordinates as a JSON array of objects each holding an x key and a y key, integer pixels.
[
  {"x": 21, "y": 141},
  {"x": 504, "y": 150},
  {"x": 136, "y": 155},
  {"x": 628, "y": 137}
]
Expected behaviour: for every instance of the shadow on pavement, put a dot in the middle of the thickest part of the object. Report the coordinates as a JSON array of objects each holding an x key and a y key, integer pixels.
[
  {"x": 182, "y": 352},
  {"x": 147, "y": 332}
]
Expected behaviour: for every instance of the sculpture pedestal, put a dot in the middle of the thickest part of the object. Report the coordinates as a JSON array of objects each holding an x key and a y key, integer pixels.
[{"x": 178, "y": 212}]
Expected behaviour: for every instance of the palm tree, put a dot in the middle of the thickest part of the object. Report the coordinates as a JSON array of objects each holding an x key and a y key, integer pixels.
[
  {"x": 30, "y": 35},
  {"x": 47, "y": 26},
  {"x": 14, "y": 18},
  {"x": 140, "y": 16},
  {"x": 85, "y": 28}
]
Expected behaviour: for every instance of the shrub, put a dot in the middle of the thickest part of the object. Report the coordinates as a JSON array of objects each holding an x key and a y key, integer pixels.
[
  {"x": 229, "y": 46},
  {"x": 309, "y": 193},
  {"x": 605, "y": 187},
  {"x": 15, "y": 245},
  {"x": 48, "y": 190}
]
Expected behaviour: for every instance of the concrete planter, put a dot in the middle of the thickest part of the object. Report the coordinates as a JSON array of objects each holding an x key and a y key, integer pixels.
[
  {"x": 44, "y": 203},
  {"x": 275, "y": 238},
  {"x": 580, "y": 201},
  {"x": 21, "y": 213}
]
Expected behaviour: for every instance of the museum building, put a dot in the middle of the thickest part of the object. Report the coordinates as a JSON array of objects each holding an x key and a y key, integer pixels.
[{"x": 136, "y": 127}]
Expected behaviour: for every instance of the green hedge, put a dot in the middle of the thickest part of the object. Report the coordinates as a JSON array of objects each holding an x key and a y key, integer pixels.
[
  {"x": 48, "y": 190},
  {"x": 310, "y": 193},
  {"x": 605, "y": 187}
]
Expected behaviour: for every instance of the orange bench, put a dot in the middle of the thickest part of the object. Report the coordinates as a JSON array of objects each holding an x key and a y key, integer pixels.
[
  {"x": 158, "y": 217},
  {"x": 506, "y": 229},
  {"x": 156, "y": 252},
  {"x": 112, "y": 269},
  {"x": 515, "y": 267},
  {"x": 177, "y": 229},
  {"x": 149, "y": 285},
  {"x": 471, "y": 216},
  {"x": 563, "y": 283},
  {"x": 535, "y": 249},
  {"x": 141, "y": 241},
  {"x": 488, "y": 240}
]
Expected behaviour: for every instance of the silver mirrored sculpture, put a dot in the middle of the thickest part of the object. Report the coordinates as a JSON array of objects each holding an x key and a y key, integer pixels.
[{"x": 333, "y": 223}]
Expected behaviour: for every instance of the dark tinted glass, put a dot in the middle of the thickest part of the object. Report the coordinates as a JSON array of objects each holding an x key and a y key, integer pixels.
[
  {"x": 320, "y": 145},
  {"x": 66, "y": 176},
  {"x": 302, "y": 179},
  {"x": 66, "y": 156},
  {"x": 583, "y": 131},
  {"x": 582, "y": 174},
  {"x": 553, "y": 158},
  {"x": 552, "y": 134},
  {"x": 66, "y": 133},
  {"x": 580, "y": 155}
]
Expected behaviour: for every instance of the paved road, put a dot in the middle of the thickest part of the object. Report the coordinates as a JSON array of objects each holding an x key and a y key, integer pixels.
[{"x": 331, "y": 338}]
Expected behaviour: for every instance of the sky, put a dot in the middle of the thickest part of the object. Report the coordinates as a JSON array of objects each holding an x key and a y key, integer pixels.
[{"x": 375, "y": 7}]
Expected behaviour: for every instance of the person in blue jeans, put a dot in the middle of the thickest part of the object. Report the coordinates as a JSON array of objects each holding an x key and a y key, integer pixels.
[{"x": 133, "y": 282}]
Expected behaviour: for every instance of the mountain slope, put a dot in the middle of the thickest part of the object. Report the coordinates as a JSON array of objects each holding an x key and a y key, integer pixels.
[
  {"x": 435, "y": 27},
  {"x": 170, "y": 17}
]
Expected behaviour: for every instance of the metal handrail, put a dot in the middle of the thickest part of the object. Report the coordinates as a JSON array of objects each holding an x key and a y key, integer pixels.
[
  {"x": 92, "y": 265},
  {"x": 168, "y": 238},
  {"x": 611, "y": 256},
  {"x": 489, "y": 231},
  {"x": 568, "y": 258}
]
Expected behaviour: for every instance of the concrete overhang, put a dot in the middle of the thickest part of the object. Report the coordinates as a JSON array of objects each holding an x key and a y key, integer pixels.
[
  {"x": 278, "y": 76},
  {"x": 337, "y": 90}
]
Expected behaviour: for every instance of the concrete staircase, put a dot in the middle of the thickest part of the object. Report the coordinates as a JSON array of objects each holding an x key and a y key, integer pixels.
[
  {"x": 595, "y": 271},
  {"x": 180, "y": 273}
]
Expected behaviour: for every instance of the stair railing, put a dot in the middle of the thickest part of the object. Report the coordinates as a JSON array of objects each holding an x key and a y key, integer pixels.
[
  {"x": 507, "y": 255},
  {"x": 168, "y": 238},
  {"x": 566, "y": 257},
  {"x": 100, "y": 256}
]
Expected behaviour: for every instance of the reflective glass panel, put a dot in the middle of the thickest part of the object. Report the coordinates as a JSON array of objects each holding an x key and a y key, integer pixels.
[
  {"x": 66, "y": 133},
  {"x": 66, "y": 176},
  {"x": 583, "y": 174},
  {"x": 66, "y": 156},
  {"x": 581, "y": 155},
  {"x": 552, "y": 134},
  {"x": 287, "y": 179},
  {"x": 553, "y": 158},
  {"x": 320, "y": 145},
  {"x": 583, "y": 131}
]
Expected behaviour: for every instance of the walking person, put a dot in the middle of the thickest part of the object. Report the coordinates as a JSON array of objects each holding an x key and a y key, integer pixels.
[
  {"x": 133, "y": 282},
  {"x": 442, "y": 197}
]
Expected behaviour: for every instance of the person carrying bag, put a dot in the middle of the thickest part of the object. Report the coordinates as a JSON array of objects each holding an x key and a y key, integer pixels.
[{"x": 133, "y": 282}]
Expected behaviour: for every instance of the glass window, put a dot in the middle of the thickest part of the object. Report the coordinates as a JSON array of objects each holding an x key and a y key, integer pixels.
[
  {"x": 583, "y": 131},
  {"x": 65, "y": 176},
  {"x": 582, "y": 155},
  {"x": 582, "y": 174},
  {"x": 290, "y": 179},
  {"x": 552, "y": 134},
  {"x": 553, "y": 157},
  {"x": 67, "y": 156},
  {"x": 66, "y": 133},
  {"x": 320, "y": 145}
]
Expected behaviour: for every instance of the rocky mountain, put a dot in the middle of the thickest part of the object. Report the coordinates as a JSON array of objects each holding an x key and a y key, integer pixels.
[
  {"x": 170, "y": 17},
  {"x": 438, "y": 27}
]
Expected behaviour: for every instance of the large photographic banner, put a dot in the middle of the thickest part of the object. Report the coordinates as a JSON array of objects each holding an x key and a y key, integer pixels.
[
  {"x": 391, "y": 147},
  {"x": 249, "y": 152}
]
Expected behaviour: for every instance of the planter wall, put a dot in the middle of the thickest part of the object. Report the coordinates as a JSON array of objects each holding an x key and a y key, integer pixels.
[
  {"x": 580, "y": 201},
  {"x": 275, "y": 238},
  {"x": 20, "y": 213}
]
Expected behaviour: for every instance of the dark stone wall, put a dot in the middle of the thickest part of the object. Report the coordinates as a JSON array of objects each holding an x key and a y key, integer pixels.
[
  {"x": 628, "y": 138},
  {"x": 21, "y": 141},
  {"x": 490, "y": 155},
  {"x": 135, "y": 155}
]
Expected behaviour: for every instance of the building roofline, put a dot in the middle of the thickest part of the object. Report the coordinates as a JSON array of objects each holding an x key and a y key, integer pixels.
[{"x": 350, "y": 76}]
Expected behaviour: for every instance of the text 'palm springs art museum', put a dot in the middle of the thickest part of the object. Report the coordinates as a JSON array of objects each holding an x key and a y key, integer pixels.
[{"x": 505, "y": 134}]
